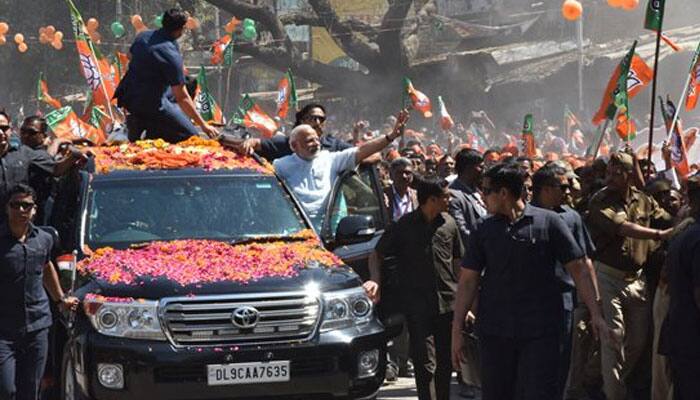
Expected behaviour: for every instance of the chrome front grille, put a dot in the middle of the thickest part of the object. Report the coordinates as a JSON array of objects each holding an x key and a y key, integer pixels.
[{"x": 207, "y": 320}]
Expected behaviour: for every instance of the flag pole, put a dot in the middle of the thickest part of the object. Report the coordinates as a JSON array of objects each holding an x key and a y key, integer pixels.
[
  {"x": 653, "y": 86},
  {"x": 684, "y": 93},
  {"x": 678, "y": 109},
  {"x": 600, "y": 139}
]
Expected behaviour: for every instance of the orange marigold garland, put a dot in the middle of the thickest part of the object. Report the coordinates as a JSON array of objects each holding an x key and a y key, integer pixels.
[
  {"x": 203, "y": 261},
  {"x": 194, "y": 152}
]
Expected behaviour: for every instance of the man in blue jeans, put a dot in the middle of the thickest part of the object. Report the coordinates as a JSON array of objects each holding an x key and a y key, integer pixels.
[
  {"x": 156, "y": 65},
  {"x": 25, "y": 316}
]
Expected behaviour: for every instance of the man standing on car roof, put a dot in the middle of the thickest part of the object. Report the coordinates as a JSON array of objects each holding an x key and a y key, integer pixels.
[
  {"x": 25, "y": 316},
  {"x": 156, "y": 65}
]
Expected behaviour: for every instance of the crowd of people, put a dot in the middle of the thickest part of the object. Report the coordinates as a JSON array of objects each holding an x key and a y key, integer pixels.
[{"x": 534, "y": 278}]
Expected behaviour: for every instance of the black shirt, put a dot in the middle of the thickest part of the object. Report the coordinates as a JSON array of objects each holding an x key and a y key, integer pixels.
[
  {"x": 42, "y": 182},
  {"x": 425, "y": 253},
  {"x": 15, "y": 166},
  {"x": 680, "y": 334},
  {"x": 25, "y": 305},
  {"x": 520, "y": 294},
  {"x": 278, "y": 146}
]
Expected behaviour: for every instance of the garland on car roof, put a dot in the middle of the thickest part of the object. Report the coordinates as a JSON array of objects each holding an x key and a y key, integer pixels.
[
  {"x": 190, "y": 262},
  {"x": 158, "y": 154}
]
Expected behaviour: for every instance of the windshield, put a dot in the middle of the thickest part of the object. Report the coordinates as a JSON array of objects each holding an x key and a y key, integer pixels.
[{"x": 230, "y": 208}]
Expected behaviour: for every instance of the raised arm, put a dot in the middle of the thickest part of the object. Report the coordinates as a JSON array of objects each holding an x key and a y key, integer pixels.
[{"x": 378, "y": 144}]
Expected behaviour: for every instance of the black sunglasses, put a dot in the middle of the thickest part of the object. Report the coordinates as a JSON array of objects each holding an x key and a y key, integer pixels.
[
  {"x": 5, "y": 128},
  {"x": 486, "y": 190},
  {"x": 23, "y": 205},
  {"x": 319, "y": 118},
  {"x": 28, "y": 131},
  {"x": 563, "y": 186}
]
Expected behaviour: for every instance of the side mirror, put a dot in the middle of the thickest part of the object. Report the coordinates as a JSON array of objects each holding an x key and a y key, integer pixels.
[{"x": 355, "y": 229}]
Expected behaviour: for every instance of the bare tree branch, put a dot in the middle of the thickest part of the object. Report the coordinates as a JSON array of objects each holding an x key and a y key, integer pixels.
[
  {"x": 261, "y": 14},
  {"x": 352, "y": 24},
  {"x": 389, "y": 40},
  {"x": 354, "y": 44}
]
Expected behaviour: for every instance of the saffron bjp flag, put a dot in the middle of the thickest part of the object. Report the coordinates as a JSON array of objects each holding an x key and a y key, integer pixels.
[
  {"x": 218, "y": 49},
  {"x": 691, "y": 100},
  {"x": 626, "y": 128},
  {"x": 446, "y": 122},
  {"x": 204, "y": 101},
  {"x": 620, "y": 89},
  {"x": 528, "y": 138},
  {"x": 122, "y": 63},
  {"x": 42, "y": 93},
  {"x": 416, "y": 99},
  {"x": 99, "y": 119},
  {"x": 679, "y": 151},
  {"x": 65, "y": 124},
  {"x": 286, "y": 94},
  {"x": 95, "y": 68},
  {"x": 251, "y": 115},
  {"x": 654, "y": 17}
]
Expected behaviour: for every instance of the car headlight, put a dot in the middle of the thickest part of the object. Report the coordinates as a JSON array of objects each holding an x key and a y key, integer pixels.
[
  {"x": 124, "y": 317},
  {"x": 345, "y": 308}
]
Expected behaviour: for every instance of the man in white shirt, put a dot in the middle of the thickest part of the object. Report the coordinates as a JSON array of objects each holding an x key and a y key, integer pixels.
[{"x": 311, "y": 172}]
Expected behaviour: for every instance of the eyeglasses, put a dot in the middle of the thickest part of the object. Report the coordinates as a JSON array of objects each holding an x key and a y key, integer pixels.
[
  {"x": 563, "y": 187},
  {"x": 28, "y": 132},
  {"x": 5, "y": 128},
  {"x": 318, "y": 118},
  {"x": 22, "y": 205}
]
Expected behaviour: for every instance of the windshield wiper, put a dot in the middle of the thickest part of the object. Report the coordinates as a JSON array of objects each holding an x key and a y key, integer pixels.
[{"x": 266, "y": 239}]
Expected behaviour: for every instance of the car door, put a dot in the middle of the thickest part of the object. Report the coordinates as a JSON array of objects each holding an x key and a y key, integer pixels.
[
  {"x": 356, "y": 192},
  {"x": 360, "y": 193}
]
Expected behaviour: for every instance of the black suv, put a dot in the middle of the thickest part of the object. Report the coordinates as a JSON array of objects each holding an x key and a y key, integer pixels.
[{"x": 317, "y": 335}]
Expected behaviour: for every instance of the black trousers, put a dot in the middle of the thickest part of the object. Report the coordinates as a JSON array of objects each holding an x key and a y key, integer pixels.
[
  {"x": 431, "y": 340},
  {"x": 523, "y": 369},
  {"x": 686, "y": 378},
  {"x": 22, "y": 362},
  {"x": 565, "y": 345}
]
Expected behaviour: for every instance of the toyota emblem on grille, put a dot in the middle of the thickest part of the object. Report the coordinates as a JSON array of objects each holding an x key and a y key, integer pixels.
[{"x": 245, "y": 317}]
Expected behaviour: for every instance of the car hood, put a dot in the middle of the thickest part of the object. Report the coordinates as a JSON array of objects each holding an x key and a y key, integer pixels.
[{"x": 327, "y": 279}]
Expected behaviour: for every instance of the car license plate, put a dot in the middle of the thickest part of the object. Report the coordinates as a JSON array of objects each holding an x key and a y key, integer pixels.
[{"x": 254, "y": 372}]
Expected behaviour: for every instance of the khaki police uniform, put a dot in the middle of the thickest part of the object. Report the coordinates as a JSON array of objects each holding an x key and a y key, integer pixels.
[{"x": 623, "y": 287}]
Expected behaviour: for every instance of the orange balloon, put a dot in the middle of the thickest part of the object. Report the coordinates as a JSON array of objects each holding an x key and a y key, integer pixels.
[
  {"x": 58, "y": 36},
  {"x": 136, "y": 20},
  {"x": 19, "y": 38},
  {"x": 4, "y": 28},
  {"x": 57, "y": 44},
  {"x": 3, "y": 40},
  {"x": 630, "y": 5},
  {"x": 571, "y": 10},
  {"x": 615, "y": 3},
  {"x": 43, "y": 39},
  {"x": 92, "y": 24},
  {"x": 22, "y": 47},
  {"x": 50, "y": 30},
  {"x": 42, "y": 30}
]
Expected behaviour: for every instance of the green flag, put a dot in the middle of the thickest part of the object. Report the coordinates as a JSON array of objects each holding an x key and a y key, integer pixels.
[
  {"x": 204, "y": 101},
  {"x": 620, "y": 98},
  {"x": 655, "y": 15},
  {"x": 228, "y": 53},
  {"x": 528, "y": 137}
]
